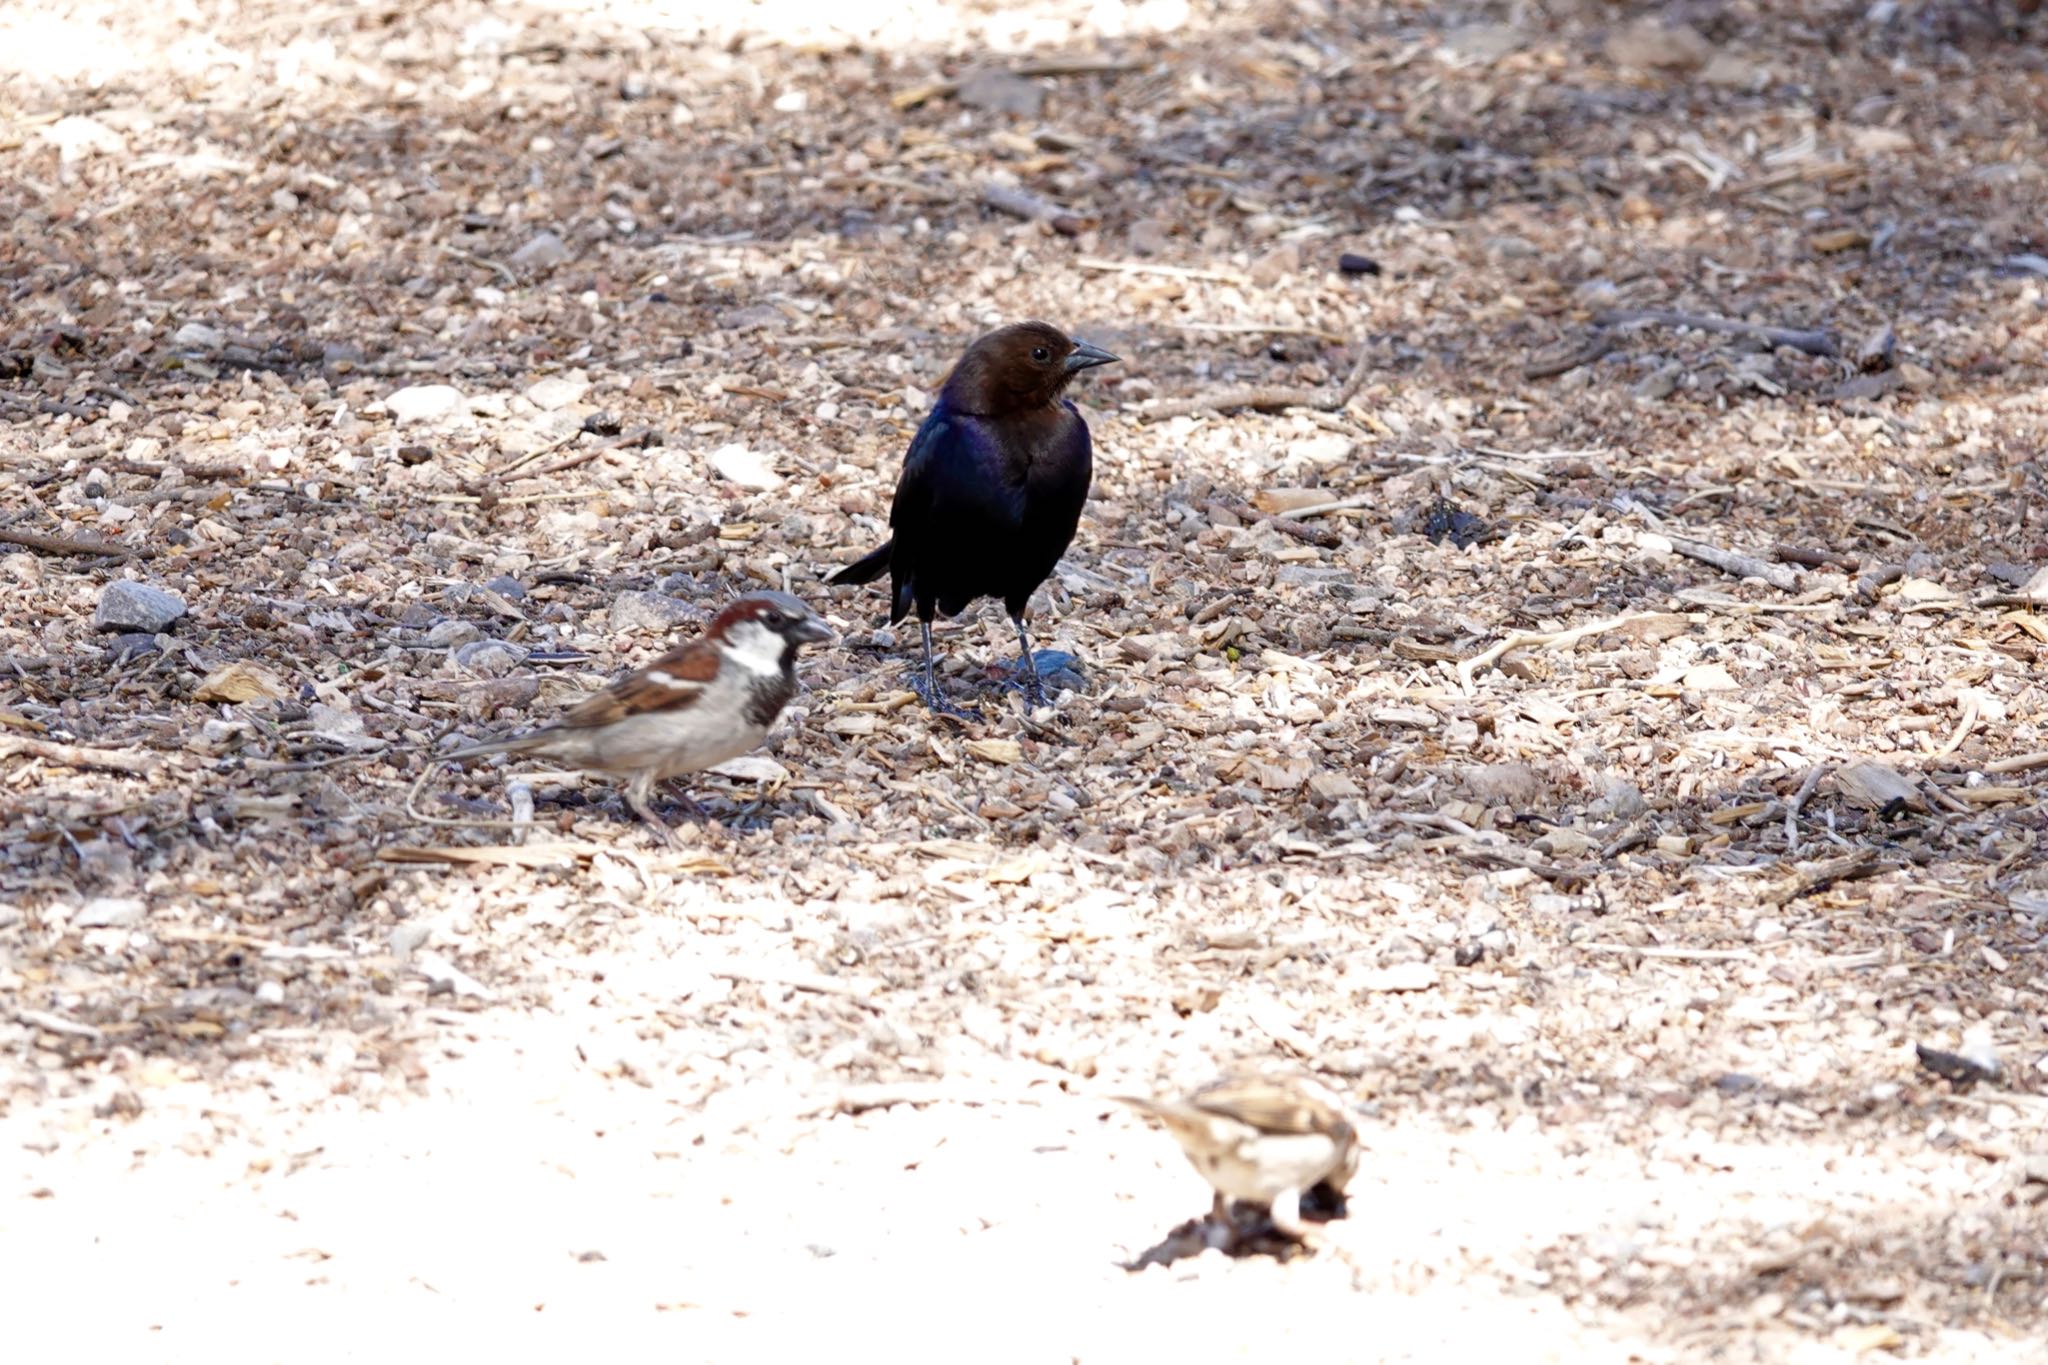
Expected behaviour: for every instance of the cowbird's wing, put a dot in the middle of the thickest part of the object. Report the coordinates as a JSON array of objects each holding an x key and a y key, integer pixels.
[{"x": 911, "y": 515}]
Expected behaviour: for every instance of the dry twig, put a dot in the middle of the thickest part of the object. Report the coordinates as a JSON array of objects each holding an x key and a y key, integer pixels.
[
  {"x": 1523, "y": 639},
  {"x": 76, "y": 756},
  {"x": 1263, "y": 398},
  {"x": 67, "y": 545},
  {"x": 1814, "y": 341}
]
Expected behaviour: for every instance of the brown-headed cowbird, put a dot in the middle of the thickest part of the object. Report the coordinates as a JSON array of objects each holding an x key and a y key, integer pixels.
[
  {"x": 991, "y": 488},
  {"x": 703, "y": 702}
]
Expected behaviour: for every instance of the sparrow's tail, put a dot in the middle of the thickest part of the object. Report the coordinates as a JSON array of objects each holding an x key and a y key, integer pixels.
[
  {"x": 517, "y": 744},
  {"x": 867, "y": 569}
]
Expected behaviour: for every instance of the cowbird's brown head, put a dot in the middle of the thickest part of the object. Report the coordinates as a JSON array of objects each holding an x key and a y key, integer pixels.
[{"x": 1016, "y": 368}]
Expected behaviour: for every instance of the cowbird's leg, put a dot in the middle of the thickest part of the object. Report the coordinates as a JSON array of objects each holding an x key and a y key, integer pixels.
[
  {"x": 928, "y": 687},
  {"x": 1034, "y": 688}
]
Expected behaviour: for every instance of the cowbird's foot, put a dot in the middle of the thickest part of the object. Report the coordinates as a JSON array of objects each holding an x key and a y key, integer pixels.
[
  {"x": 1044, "y": 672},
  {"x": 935, "y": 701}
]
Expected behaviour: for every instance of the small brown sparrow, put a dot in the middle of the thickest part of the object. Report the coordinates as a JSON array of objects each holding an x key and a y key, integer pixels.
[
  {"x": 702, "y": 703},
  {"x": 1262, "y": 1137}
]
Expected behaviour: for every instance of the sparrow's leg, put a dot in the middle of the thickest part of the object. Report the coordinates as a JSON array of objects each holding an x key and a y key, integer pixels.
[
  {"x": 1034, "y": 688},
  {"x": 928, "y": 682},
  {"x": 1221, "y": 1233},
  {"x": 637, "y": 792},
  {"x": 687, "y": 801}
]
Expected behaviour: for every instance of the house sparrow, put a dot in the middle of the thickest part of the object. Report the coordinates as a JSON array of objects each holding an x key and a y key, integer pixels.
[
  {"x": 702, "y": 703},
  {"x": 1263, "y": 1137},
  {"x": 991, "y": 489}
]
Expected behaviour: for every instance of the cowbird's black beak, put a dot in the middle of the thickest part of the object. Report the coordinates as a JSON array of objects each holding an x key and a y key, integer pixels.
[
  {"x": 811, "y": 631},
  {"x": 1086, "y": 357}
]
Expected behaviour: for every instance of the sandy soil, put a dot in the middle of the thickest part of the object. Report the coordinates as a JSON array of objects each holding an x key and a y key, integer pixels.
[{"x": 444, "y": 360}]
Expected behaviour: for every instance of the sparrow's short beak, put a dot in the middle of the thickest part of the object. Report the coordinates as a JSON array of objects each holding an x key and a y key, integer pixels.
[
  {"x": 811, "y": 631},
  {"x": 1086, "y": 357}
]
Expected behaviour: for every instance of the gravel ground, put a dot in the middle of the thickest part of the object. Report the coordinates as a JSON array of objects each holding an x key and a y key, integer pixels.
[{"x": 1556, "y": 653}]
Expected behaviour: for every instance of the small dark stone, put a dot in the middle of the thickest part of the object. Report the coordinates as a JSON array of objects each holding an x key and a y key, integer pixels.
[
  {"x": 1959, "y": 1071},
  {"x": 1463, "y": 529},
  {"x": 1351, "y": 263},
  {"x": 126, "y": 647},
  {"x": 507, "y": 587},
  {"x": 1468, "y": 953},
  {"x": 415, "y": 454},
  {"x": 601, "y": 424},
  {"x": 1058, "y": 670},
  {"x": 1736, "y": 1083}
]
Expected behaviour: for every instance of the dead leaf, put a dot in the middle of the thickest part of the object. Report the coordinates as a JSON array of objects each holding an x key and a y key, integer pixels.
[
  {"x": 1876, "y": 786},
  {"x": 1839, "y": 239},
  {"x": 1284, "y": 776},
  {"x": 1017, "y": 870},
  {"x": 995, "y": 750},
  {"x": 1920, "y": 592},
  {"x": 1880, "y": 141},
  {"x": 1280, "y": 501},
  {"x": 1391, "y": 980},
  {"x": 240, "y": 681},
  {"x": 1334, "y": 787},
  {"x": 1868, "y": 1336},
  {"x": 1707, "y": 678}
]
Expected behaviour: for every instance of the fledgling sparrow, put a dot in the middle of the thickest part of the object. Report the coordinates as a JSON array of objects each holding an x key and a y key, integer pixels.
[
  {"x": 702, "y": 703},
  {"x": 1263, "y": 1137}
]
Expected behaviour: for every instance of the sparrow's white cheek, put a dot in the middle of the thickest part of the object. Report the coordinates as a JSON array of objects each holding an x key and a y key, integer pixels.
[{"x": 754, "y": 647}]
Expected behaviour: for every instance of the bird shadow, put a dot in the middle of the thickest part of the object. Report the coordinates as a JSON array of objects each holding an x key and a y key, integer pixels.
[
  {"x": 712, "y": 813},
  {"x": 1246, "y": 1231}
]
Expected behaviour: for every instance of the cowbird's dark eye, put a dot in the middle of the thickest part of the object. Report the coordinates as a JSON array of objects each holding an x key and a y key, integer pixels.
[{"x": 1040, "y": 354}]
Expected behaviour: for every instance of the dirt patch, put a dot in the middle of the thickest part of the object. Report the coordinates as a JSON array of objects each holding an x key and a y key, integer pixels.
[{"x": 1556, "y": 647}]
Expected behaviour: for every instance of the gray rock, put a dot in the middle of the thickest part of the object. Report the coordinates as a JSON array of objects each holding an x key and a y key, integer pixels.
[
  {"x": 1513, "y": 784},
  {"x": 545, "y": 250},
  {"x": 197, "y": 336},
  {"x": 423, "y": 402},
  {"x": 507, "y": 587},
  {"x": 1622, "y": 801},
  {"x": 634, "y": 611},
  {"x": 556, "y": 392},
  {"x": 747, "y": 468},
  {"x": 452, "y": 634},
  {"x": 1484, "y": 43},
  {"x": 108, "y": 912},
  {"x": 1001, "y": 92},
  {"x": 490, "y": 658},
  {"x": 407, "y": 939},
  {"x": 131, "y": 607}
]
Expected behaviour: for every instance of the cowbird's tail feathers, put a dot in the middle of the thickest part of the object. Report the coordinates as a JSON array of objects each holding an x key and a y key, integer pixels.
[{"x": 866, "y": 569}]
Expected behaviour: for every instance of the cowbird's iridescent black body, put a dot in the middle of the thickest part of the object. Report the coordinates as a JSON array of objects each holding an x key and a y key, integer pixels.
[{"x": 992, "y": 487}]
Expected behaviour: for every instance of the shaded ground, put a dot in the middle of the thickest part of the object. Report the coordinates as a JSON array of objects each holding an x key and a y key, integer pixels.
[{"x": 1623, "y": 946}]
